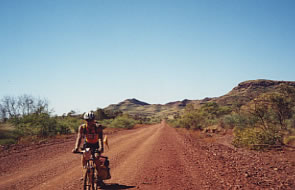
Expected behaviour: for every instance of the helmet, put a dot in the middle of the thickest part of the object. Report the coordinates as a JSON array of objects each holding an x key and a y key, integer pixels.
[{"x": 89, "y": 115}]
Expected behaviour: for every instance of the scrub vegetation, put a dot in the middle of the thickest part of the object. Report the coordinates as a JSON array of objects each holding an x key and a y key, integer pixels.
[
  {"x": 264, "y": 121},
  {"x": 26, "y": 118}
]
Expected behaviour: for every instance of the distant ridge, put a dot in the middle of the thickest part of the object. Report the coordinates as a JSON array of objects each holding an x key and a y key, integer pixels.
[
  {"x": 182, "y": 103},
  {"x": 242, "y": 93}
]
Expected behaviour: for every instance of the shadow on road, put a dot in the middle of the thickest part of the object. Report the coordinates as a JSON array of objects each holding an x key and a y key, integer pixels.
[{"x": 116, "y": 186}]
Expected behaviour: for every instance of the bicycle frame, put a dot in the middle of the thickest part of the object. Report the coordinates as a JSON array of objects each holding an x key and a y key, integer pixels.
[{"x": 90, "y": 176}]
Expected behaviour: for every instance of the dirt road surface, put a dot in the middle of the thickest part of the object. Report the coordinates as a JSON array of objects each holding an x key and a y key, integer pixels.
[{"x": 151, "y": 157}]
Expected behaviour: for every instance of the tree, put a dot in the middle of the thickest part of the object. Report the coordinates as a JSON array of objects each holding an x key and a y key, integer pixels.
[
  {"x": 273, "y": 109},
  {"x": 100, "y": 114},
  {"x": 14, "y": 107},
  {"x": 258, "y": 108},
  {"x": 282, "y": 108},
  {"x": 26, "y": 104},
  {"x": 9, "y": 104},
  {"x": 111, "y": 114},
  {"x": 3, "y": 115},
  {"x": 71, "y": 113}
]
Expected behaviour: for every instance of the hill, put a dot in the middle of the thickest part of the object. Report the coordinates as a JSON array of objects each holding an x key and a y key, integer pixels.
[
  {"x": 241, "y": 94},
  {"x": 127, "y": 105},
  {"x": 136, "y": 107},
  {"x": 248, "y": 90}
]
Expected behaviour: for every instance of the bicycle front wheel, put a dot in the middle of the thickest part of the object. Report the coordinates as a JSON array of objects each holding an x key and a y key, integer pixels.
[
  {"x": 88, "y": 180},
  {"x": 93, "y": 179}
]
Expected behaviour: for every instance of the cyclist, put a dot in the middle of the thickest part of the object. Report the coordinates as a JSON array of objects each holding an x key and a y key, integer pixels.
[{"x": 92, "y": 132}]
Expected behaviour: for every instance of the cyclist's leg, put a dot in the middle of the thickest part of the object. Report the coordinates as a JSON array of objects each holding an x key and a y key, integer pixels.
[
  {"x": 87, "y": 154},
  {"x": 94, "y": 147},
  {"x": 98, "y": 164},
  {"x": 83, "y": 159}
]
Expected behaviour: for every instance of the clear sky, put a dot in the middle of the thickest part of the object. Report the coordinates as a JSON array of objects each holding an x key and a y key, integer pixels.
[{"x": 81, "y": 55}]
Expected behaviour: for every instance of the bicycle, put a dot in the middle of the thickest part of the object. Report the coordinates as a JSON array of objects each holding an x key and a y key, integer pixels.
[{"x": 91, "y": 181}]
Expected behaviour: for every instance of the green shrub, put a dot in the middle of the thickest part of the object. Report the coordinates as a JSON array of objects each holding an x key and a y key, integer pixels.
[
  {"x": 192, "y": 120},
  {"x": 290, "y": 140},
  {"x": 152, "y": 120},
  {"x": 7, "y": 141},
  {"x": 123, "y": 122},
  {"x": 209, "y": 114},
  {"x": 291, "y": 123},
  {"x": 175, "y": 123},
  {"x": 106, "y": 122},
  {"x": 68, "y": 124},
  {"x": 39, "y": 124},
  {"x": 62, "y": 129},
  {"x": 239, "y": 121},
  {"x": 8, "y": 136},
  {"x": 254, "y": 137}
]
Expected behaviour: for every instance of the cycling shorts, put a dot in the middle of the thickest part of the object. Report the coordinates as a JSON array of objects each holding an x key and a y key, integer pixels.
[{"x": 90, "y": 145}]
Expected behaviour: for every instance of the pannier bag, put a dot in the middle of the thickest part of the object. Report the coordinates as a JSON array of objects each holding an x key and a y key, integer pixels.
[{"x": 103, "y": 169}]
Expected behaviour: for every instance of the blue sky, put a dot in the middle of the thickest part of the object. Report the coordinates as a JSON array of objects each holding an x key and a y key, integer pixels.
[{"x": 81, "y": 55}]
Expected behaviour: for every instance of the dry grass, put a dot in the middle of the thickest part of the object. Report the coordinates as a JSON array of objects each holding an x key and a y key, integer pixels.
[
  {"x": 197, "y": 134},
  {"x": 223, "y": 137},
  {"x": 141, "y": 125}
]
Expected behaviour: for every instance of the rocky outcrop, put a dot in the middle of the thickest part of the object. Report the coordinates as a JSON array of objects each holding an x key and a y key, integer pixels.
[{"x": 262, "y": 83}]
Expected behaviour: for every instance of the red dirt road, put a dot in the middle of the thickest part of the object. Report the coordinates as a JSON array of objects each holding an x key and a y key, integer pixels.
[{"x": 151, "y": 157}]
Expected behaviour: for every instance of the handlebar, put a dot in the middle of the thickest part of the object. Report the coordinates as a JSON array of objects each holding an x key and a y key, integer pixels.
[
  {"x": 78, "y": 152},
  {"x": 83, "y": 151},
  {"x": 96, "y": 151}
]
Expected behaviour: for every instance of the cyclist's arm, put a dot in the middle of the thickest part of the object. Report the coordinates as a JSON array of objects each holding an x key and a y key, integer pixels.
[
  {"x": 79, "y": 137},
  {"x": 100, "y": 137}
]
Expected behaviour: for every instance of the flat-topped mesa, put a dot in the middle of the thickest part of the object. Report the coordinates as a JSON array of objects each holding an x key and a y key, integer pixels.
[{"x": 262, "y": 83}]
